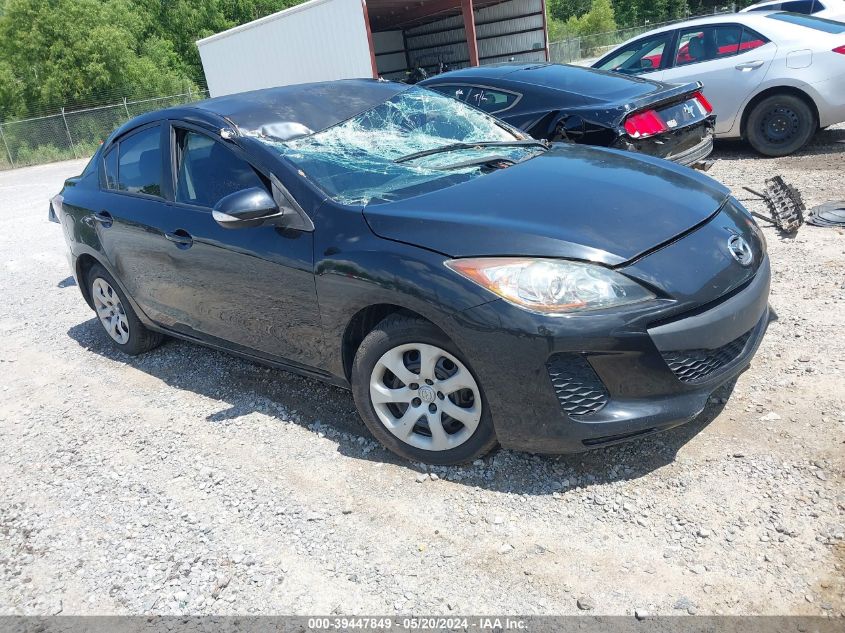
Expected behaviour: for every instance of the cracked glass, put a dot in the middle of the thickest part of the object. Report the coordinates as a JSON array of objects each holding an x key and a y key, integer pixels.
[{"x": 354, "y": 161}]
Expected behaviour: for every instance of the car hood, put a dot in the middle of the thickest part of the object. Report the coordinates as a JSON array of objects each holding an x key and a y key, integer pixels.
[{"x": 573, "y": 202}]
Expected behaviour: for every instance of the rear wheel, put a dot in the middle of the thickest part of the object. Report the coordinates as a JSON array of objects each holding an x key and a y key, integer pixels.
[
  {"x": 780, "y": 124},
  {"x": 117, "y": 316},
  {"x": 418, "y": 396}
]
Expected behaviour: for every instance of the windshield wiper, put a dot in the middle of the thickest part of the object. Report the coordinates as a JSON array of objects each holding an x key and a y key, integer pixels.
[
  {"x": 499, "y": 162},
  {"x": 456, "y": 146}
]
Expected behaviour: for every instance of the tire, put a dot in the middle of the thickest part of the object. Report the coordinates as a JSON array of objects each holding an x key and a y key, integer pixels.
[
  {"x": 116, "y": 316},
  {"x": 385, "y": 400},
  {"x": 780, "y": 124}
]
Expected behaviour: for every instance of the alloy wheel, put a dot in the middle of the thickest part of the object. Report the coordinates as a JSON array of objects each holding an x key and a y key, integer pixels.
[
  {"x": 425, "y": 396},
  {"x": 110, "y": 310}
]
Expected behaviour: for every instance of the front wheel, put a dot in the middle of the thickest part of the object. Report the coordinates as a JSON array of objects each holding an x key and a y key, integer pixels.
[
  {"x": 418, "y": 396},
  {"x": 780, "y": 124}
]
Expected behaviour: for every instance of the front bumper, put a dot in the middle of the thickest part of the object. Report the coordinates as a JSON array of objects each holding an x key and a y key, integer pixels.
[{"x": 655, "y": 372}]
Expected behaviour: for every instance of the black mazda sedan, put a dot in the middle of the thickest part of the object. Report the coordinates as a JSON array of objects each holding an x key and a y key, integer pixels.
[
  {"x": 558, "y": 102},
  {"x": 471, "y": 285}
]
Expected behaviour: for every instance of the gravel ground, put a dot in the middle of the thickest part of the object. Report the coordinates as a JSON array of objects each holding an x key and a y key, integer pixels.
[{"x": 189, "y": 481}]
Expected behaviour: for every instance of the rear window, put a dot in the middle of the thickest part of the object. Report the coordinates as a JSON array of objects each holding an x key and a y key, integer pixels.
[
  {"x": 806, "y": 7},
  {"x": 810, "y": 22},
  {"x": 585, "y": 81}
]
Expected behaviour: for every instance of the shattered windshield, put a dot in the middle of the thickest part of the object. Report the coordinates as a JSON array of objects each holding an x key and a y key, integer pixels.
[{"x": 355, "y": 162}]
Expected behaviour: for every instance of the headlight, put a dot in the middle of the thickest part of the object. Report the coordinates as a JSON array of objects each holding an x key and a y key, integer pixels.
[{"x": 551, "y": 286}]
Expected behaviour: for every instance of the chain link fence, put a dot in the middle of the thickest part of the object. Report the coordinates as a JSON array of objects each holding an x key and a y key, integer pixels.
[
  {"x": 588, "y": 48},
  {"x": 76, "y": 133}
]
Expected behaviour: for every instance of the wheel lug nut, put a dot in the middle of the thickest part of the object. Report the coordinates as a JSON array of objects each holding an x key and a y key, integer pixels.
[
  {"x": 440, "y": 395},
  {"x": 432, "y": 408},
  {"x": 416, "y": 402},
  {"x": 428, "y": 382},
  {"x": 414, "y": 386}
]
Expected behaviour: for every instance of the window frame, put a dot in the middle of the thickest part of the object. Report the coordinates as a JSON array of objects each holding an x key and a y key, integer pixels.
[
  {"x": 175, "y": 128},
  {"x": 280, "y": 194},
  {"x": 471, "y": 86},
  {"x": 114, "y": 145},
  {"x": 756, "y": 35},
  {"x": 671, "y": 37},
  {"x": 673, "y": 58}
]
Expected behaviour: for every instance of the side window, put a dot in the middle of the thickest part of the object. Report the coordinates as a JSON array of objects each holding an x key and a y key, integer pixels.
[
  {"x": 701, "y": 45},
  {"x": 139, "y": 162},
  {"x": 456, "y": 92},
  {"x": 638, "y": 57},
  {"x": 491, "y": 101},
  {"x": 110, "y": 168},
  {"x": 751, "y": 40},
  {"x": 807, "y": 7},
  {"x": 727, "y": 40},
  {"x": 209, "y": 171}
]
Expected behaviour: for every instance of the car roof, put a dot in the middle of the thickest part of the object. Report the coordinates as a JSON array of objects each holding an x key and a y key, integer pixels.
[
  {"x": 315, "y": 106},
  {"x": 548, "y": 76},
  {"x": 826, "y": 3},
  {"x": 752, "y": 20},
  {"x": 488, "y": 71},
  {"x": 757, "y": 20}
]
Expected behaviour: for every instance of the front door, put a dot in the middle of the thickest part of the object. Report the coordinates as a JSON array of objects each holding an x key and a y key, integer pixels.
[{"x": 253, "y": 287}]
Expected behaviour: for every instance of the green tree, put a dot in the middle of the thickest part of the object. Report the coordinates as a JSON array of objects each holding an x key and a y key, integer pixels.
[
  {"x": 82, "y": 51},
  {"x": 599, "y": 19},
  {"x": 564, "y": 9},
  {"x": 11, "y": 92},
  {"x": 61, "y": 52}
]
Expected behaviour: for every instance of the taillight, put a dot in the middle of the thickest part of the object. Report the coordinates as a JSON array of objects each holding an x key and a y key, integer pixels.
[
  {"x": 840, "y": 50},
  {"x": 56, "y": 201},
  {"x": 703, "y": 101},
  {"x": 644, "y": 124}
]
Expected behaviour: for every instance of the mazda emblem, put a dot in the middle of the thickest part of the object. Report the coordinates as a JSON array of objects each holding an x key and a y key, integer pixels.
[{"x": 740, "y": 250}]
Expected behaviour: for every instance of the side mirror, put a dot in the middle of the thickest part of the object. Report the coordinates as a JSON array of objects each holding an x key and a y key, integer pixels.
[
  {"x": 246, "y": 208},
  {"x": 646, "y": 63}
]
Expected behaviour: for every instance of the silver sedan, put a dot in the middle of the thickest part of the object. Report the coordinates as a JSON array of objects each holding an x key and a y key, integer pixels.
[{"x": 773, "y": 78}]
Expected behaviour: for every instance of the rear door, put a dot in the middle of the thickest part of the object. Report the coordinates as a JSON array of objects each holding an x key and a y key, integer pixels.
[
  {"x": 132, "y": 213},
  {"x": 728, "y": 59}
]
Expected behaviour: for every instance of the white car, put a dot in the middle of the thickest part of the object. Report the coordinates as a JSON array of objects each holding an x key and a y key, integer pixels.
[
  {"x": 828, "y": 9},
  {"x": 772, "y": 78}
]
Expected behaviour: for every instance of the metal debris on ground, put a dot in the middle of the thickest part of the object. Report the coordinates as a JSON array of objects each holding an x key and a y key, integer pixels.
[
  {"x": 828, "y": 214},
  {"x": 786, "y": 207}
]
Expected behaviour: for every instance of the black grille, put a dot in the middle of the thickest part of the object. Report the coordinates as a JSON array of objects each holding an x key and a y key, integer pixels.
[
  {"x": 692, "y": 365},
  {"x": 579, "y": 391}
]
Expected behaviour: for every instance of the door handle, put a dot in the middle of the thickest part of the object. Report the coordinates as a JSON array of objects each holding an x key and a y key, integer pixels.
[
  {"x": 180, "y": 237},
  {"x": 750, "y": 65},
  {"x": 103, "y": 217}
]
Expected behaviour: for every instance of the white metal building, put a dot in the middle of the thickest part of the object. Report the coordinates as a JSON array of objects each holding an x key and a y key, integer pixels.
[{"x": 322, "y": 40}]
